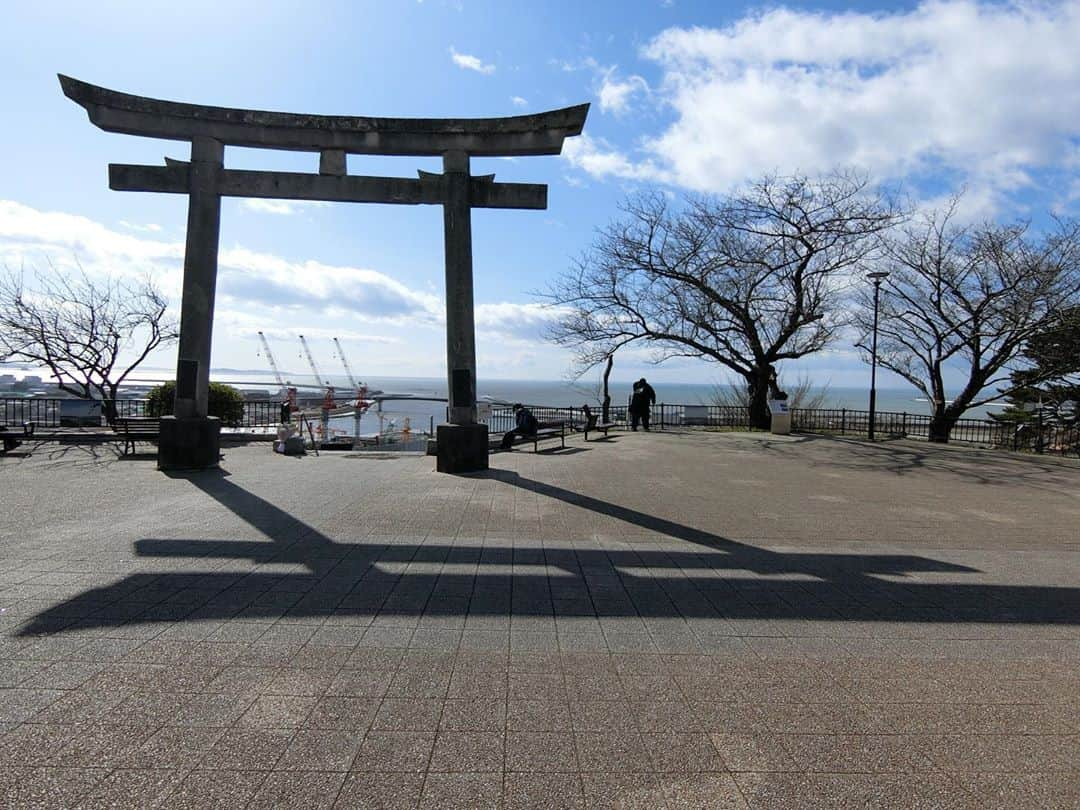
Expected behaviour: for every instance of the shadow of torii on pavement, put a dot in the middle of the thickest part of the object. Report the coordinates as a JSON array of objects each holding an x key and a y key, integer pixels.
[{"x": 366, "y": 578}]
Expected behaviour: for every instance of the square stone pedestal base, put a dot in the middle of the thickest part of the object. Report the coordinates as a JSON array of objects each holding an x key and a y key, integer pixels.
[
  {"x": 189, "y": 443},
  {"x": 461, "y": 448}
]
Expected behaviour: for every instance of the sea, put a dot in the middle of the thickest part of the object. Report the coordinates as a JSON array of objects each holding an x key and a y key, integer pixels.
[
  {"x": 414, "y": 413},
  {"x": 422, "y": 415}
]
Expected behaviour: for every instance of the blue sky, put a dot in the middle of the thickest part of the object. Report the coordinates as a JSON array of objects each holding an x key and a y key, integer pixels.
[{"x": 686, "y": 96}]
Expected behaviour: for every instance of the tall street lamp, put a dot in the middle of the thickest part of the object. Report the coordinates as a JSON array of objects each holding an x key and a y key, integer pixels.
[{"x": 877, "y": 278}]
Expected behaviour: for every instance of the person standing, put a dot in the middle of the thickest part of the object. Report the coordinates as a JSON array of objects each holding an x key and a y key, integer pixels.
[{"x": 647, "y": 398}]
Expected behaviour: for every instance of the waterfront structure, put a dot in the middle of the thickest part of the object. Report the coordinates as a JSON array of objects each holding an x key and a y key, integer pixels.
[{"x": 190, "y": 438}]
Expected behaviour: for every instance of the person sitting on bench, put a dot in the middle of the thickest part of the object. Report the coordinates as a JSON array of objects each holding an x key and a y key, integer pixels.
[{"x": 525, "y": 425}]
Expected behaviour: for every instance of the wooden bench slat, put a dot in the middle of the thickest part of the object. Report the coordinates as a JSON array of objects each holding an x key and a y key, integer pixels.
[{"x": 137, "y": 429}]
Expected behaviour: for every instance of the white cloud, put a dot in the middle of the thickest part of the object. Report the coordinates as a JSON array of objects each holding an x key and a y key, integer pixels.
[
  {"x": 518, "y": 101},
  {"x": 988, "y": 94},
  {"x": 600, "y": 159},
  {"x": 281, "y": 207},
  {"x": 515, "y": 321},
  {"x": 468, "y": 62},
  {"x": 33, "y": 238},
  {"x": 150, "y": 227},
  {"x": 250, "y": 328},
  {"x": 246, "y": 278},
  {"x": 616, "y": 94}
]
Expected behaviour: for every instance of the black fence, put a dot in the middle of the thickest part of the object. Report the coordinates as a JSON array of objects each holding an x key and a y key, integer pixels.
[
  {"x": 54, "y": 413},
  {"x": 1031, "y": 437}
]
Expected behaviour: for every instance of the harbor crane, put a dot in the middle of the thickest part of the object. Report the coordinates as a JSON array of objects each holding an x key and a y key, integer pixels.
[
  {"x": 329, "y": 399},
  {"x": 345, "y": 363},
  {"x": 361, "y": 389},
  {"x": 270, "y": 360},
  {"x": 286, "y": 390}
]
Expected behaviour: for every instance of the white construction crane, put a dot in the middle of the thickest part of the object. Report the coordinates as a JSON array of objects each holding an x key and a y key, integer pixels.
[
  {"x": 348, "y": 371},
  {"x": 311, "y": 362},
  {"x": 270, "y": 360}
]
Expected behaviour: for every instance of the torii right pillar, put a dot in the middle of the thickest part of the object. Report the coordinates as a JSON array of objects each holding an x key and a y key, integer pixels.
[{"x": 462, "y": 442}]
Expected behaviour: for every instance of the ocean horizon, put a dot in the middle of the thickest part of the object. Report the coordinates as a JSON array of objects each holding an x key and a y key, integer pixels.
[
  {"x": 561, "y": 393},
  {"x": 556, "y": 393}
]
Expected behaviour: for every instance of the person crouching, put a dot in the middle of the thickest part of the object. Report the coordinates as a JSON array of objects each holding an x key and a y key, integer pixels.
[{"x": 525, "y": 425}]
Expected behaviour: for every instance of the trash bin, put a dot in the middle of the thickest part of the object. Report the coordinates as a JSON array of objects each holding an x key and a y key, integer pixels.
[{"x": 781, "y": 417}]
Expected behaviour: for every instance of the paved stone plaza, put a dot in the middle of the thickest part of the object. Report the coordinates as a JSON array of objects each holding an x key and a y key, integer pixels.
[{"x": 658, "y": 620}]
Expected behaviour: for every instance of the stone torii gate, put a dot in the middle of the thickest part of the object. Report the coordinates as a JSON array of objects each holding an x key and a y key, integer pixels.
[{"x": 190, "y": 439}]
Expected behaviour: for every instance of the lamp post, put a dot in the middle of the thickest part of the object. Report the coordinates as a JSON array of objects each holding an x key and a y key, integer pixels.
[{"x": 877, "y": 278}]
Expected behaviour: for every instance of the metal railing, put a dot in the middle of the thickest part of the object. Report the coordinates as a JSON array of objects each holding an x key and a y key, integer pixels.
[
  {"x": 1029, "y": 436},
  {"x": 47, "y": 413}
]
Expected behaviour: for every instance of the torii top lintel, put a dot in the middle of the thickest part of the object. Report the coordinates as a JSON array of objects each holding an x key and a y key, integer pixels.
[{"x": 538, "y": 134}]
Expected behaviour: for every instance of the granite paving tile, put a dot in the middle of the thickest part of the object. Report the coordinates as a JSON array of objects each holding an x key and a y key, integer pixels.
[
  {"x": 668, "y": 715},
  {"x": 216, "y": 710},
  {"x": 295, "y": 681},
  {"x": 468, "y": 751},
  {"x": 1002, "y": 752},
  {"x": 413, "y": 684},
  {"x": 312, "y": 790},
  {"x": 408, "y": 715},
  {"x": 604, "y": 715},
  {"x": 624, "y": 791},
  {"x": 537, "y": 686},
  {"x": 476, "y": 715},
  {"x": 104, "y": 745},
  {"x": 339, "y": 712},
  {"x": 247, "y": 750},
  {"x": 760, "y": 752},
  {"x": 380, "y": 791},
  {"x": 278, "y": 711},
  {"x": 172, "y": 747},
  {"x": 613, "y": 752},
  {"x": 133, "y": 789},
  {"x": 1057, "y": 791},
  {"x": 47, "y": 786},
  {"x": 221, "y": 790},
  {"x": 702, "y": 792},
  {"x": 854, "y": 753},
  {"x": 321, "y": 750},
  {"x": 548, "y": 752},
  {"x": 30, "y": 744},
  {"x": 395, "y": 751},
  {"x": 370, "y": 683},
  {"x": 537, "y": 715},
  {"x": 551, "y": 791},
  {"x": 81, "y": 706},
  {"x": 63, "y": 675},
  {"x": 677, "y": 752},
  {"x": 472, "y": 790},
  {"x": 18, "y": 705}
]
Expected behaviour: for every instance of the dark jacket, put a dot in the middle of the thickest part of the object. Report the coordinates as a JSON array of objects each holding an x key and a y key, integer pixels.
[
  {"x": 525, "y": 422},
  {"x": 642, "y": 398}
]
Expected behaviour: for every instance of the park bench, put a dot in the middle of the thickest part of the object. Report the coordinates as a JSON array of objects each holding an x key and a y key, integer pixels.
[
  {"x": 9, "y": 440},
  {"x": 137, "y": 429},
  {"x": 546, "y": 431},
  {"x": 594, "y": 425}
]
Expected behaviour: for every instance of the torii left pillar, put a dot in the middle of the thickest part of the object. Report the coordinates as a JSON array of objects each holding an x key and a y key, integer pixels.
[{"x": 191, "y": 438}]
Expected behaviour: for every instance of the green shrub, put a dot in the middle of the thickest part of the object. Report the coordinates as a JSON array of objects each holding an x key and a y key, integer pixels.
[{"x": 225, "y": 402}]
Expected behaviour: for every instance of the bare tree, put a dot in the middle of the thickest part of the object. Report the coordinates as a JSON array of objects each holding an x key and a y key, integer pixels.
[
  {"x": 803, "y": 394},
  {"x": 965, "y": 300},
  {"x": 91, "y": 334},
  {"x": 747, "y": 281}
]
